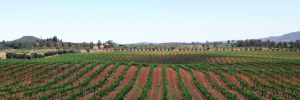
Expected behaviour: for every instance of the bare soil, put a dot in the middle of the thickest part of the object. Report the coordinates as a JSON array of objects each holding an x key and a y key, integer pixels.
[
  {"x": 202, "y": 80},
  {"x": 187, "y": 80},
  {"x": 155, "y": 91},
  {"x": 101, "y": 75},
  {"x": 140, "y": 82},
  {"x": 174, "y": 91},
  {"x": 110, "y": 79},
  {"x": 218, "y": 80},
  {"x": 126, "y": 79}
]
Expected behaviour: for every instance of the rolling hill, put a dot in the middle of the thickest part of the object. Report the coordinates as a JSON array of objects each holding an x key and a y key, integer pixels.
[
  {"x": 27, "y": 39},
  {"x": 293, "y": 36}
]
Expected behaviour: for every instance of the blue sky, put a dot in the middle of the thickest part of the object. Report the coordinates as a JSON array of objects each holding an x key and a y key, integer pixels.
[{"x": 131, "y": 21}]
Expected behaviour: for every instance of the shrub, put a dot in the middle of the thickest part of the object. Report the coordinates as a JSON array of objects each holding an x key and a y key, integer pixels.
[
  {"x": 87, "y": 50},
  {"x": 9, "y": 55}
]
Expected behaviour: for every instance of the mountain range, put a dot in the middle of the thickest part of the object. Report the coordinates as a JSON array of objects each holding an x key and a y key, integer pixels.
[{"x": 293, "y": 36}]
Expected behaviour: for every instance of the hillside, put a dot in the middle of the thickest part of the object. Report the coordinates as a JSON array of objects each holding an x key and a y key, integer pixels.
[
  {"x": 27, "y": 39},
  {"x": 293, "y": 36}
]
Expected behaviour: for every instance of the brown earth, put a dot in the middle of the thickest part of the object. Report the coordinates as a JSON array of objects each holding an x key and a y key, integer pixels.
[
  {"x": 72, "y": 74},
  {"x": 202, "y": 80},
  {"x": 217, "y": 59},
  {"x": 231, "y": 78},
  {"x": 126, "y": 79},
  {"x": 140, "y": 82},
  {"x": 212, "y": 59},
  {"x": 110, "y": 79},
  {"x": 174, "y": 91},
  {"x": 232, "y": 59},
  {"x": 86, "y": 75},
  {"x": 244, "y": 77},
  {"x": 187, "y": 80},
  {"x": 155, "y": 91},
  {"x": 101, "y": 75},
  {"x": 228, "y": 59},
  {"x": 218, "y": 80}
]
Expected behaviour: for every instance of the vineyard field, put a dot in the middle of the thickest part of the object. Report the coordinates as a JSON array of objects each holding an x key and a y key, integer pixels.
[{"x": 154, "y": 75}]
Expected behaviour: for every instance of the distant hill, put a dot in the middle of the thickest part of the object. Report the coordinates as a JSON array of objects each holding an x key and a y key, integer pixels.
[
  {"x": 293, "y": 36},
  {"x": 27, "y": 39},
  {"x": 144, "y": 43}
]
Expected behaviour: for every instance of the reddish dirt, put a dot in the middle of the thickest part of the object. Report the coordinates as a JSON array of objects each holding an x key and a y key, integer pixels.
[
  {"x": 212, "y": 59},
  {"x": 233, "y": 59},
  {"x": 244, "y": 77},
  {"x": 140, "y": 82},
  {"x": 217, "y": 59},
  {"x": 223, "y": 59},
  {"x": 72, "y": 75},
  {"x": 87, "y": 74},
  {"x": 101, "y": 75},
  {"x": 244, "y": 59},
  {"x": 126, "y": 79},
  {"x": 174, "y": 91},
  {"x": 202, "y": 80},
  {"x": 187, "y": 80},
  {"x": 231, "y": 78},
  {"x": 155, "y": 91},
  {"x": 202, "y": 60},
  {"x": 214, "y": 77},
  {"x": 53, "y": 76},
  {"x": 110, "y": 79},
  {"x": 218, "y": 80},
  {"x": 228, "y": 59}
]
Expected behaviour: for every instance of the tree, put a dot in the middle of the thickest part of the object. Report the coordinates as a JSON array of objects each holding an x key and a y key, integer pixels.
[
  {"x": 268, "y": 40},
  {"x": 91, "y": 44},
  {"x": 279, "y": 45},
  {"x": 272, "y": 44},
  {"x": 99, "y": 43},
  {"x": 70, "y": 44},
  {"x": 55, "y": 44},
  {"x": 84, "y": 44},
  {"x": 3, "y": 42},
  {"x": 41, "y": 44},
  {"x": 207, "y": 44},
  {"x": 55, "y": 39},
  {"x": 60, "y": 40},
  {"x": 284, "y": 44},
  {"x": 48, "y": 44},
  {"x": 228, "y": 41},
  {"x": 111, "y": 43}
]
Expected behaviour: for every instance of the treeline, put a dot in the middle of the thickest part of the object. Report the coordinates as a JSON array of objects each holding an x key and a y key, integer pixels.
[
  {"x": 11, "y": 55},
  {"x": 271, "y": 44}
]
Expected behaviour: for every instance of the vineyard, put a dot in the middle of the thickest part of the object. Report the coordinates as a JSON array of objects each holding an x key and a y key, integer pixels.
[{"x": 154, "y": 75}]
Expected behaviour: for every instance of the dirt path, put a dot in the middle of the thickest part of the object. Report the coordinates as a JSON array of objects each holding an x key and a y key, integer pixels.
[
  {"x": 110, "y": 79},
  {"x": 155, "y": 91},
  {"x": 187, "y": 80},
  {"x": 218, "y": 80},
  {"x": 126, "y": 79},
  {"x": 202, "y": 80},
  {"x": 140, "y": 82},
  {"x": 174, "y": 91}
]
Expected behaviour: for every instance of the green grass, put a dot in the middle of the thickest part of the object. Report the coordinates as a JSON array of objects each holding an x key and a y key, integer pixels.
[
  {"x": 41, "y": 51},
  {"x": 21, "y": 51}
]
